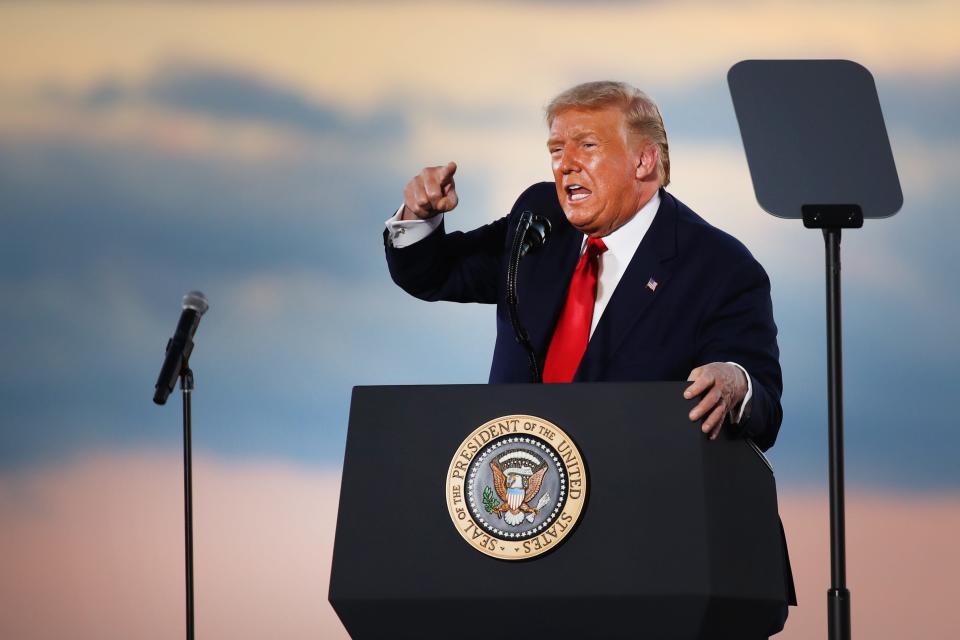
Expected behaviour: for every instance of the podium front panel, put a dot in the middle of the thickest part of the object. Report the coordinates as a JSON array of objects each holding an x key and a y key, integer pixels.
[{"x": 679, "y": 537}]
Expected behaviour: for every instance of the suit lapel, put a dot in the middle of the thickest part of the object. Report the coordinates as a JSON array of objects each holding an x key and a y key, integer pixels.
[{"x": 635, "y": 292}]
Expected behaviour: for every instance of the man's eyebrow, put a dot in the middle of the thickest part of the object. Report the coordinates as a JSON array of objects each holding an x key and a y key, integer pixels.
[{"x": 580, "y": 135}]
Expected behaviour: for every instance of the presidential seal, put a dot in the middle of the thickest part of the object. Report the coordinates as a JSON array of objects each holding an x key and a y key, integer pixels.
[{"x": 516, "y": 487}]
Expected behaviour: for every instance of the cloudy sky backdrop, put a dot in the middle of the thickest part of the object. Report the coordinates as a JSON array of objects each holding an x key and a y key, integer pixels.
[{"x": 252, "y": 151}]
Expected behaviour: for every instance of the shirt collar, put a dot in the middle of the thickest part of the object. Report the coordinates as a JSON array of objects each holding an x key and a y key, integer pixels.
[{"x": 625, "y": 240}]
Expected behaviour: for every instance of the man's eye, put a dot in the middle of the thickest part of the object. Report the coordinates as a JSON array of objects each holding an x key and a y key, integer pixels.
[{"x": 589, "y": 145}]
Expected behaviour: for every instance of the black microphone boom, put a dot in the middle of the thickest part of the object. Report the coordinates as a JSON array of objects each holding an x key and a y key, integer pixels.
[
  {"x": 531, "y": 234},
  {"x": 180, "y": 346}
]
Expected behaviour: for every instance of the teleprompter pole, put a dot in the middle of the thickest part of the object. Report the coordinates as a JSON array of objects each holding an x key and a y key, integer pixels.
[
  {"x": 832, "y": 219},
  {"x": 838, "y": 597},
  {"x": 186, "y": 385}
]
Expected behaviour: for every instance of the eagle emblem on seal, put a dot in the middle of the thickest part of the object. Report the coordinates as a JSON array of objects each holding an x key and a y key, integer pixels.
[{"x": 517, "y": 477}]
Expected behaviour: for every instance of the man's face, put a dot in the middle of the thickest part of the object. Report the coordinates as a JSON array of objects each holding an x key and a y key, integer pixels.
[{"x": 598, "y": 168}]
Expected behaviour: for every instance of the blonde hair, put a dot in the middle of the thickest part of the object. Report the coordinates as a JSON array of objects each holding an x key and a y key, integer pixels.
[{"x": 642, "y": 115}]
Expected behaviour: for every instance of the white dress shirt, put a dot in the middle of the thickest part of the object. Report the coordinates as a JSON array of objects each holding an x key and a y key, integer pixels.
[{"x": 621, "y": 245}]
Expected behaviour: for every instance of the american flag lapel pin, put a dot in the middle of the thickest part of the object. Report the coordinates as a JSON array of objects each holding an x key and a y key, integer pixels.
[{"x": 652, "y": 284}]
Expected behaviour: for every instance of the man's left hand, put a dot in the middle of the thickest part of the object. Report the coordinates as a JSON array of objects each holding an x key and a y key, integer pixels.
[{"x": 723, "y": 387}]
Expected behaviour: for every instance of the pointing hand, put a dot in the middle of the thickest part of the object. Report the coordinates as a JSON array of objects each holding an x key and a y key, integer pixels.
[{"x": 430, "y": 193}]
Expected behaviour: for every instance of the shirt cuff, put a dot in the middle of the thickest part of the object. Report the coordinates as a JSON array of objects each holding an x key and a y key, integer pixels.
[
  {"x": 737, "y": 414},
  {"x": 403, "y": 233}
]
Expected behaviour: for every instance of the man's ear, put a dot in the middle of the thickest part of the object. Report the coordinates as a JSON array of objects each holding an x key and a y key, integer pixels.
[{"x": 647, "y": 162}]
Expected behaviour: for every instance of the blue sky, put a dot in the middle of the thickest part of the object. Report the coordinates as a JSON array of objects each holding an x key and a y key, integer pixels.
[{"x": 269, "y": 196}]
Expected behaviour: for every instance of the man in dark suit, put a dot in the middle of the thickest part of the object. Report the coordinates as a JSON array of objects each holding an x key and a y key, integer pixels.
[{"x": 632, "y": 284}]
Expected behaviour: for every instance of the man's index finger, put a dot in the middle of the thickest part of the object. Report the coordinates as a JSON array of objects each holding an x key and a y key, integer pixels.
[{"x": 448, "y": 172}]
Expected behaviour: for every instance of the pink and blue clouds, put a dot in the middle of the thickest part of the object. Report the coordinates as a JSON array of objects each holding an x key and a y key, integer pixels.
[{"x": 253, "y": 151}]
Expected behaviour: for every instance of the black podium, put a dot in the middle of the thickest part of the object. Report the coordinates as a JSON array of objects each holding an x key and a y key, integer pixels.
[{"x": 679, "y": 536}]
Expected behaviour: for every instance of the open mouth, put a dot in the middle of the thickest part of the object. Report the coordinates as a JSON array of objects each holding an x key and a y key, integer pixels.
[{"x": 576, "y": 192}]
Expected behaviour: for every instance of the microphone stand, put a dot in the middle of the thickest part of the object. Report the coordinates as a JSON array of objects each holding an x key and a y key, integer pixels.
[
  {"x": 176, "y": 364},
  {"x": 186, "y": 385},
  {"x": 516, "y": 253}
]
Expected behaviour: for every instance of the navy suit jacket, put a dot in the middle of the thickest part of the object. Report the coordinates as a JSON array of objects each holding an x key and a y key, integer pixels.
[{"x": 711, "y": 302}]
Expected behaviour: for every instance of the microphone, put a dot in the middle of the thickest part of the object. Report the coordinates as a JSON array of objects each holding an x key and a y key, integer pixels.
[
  {"x": 536, "y": 233},
  {"x": 180, "y": 346},
  {"x": 531, "y": 234}
]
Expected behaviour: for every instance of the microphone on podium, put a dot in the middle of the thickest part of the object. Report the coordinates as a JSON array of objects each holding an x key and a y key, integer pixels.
[
  {"x": 533, "y": 231},
  {"x": 537, "y": 232}
]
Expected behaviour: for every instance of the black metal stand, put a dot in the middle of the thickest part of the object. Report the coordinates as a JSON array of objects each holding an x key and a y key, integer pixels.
[
  {"x": 838, "y": 597},
  {"x": 825, "y": 116},
  {"x": 832, "y": 219},
  {"x": 186, "y": 385},
  {"x": 519, "y": 332}
]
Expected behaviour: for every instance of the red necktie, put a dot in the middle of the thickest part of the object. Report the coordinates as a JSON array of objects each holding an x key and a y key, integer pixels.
[{"x": 570, "y": 338}]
